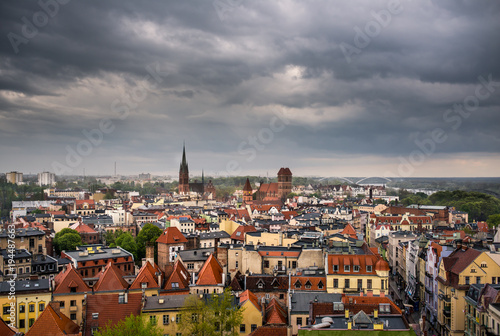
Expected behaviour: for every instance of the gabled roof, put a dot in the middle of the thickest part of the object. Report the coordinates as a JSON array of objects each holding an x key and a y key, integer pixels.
[
  {"x": 275, "y": 314},
  {"x": 5, "y": 329},
  {"x": 82, "y": 228},
  {"x": 69, "y": 279},
  {"x": 147, "y": 274},
  {"x": 239, "y": 233},
  {"x": 53, "y": 322},
  {"x": 349, "y": 230},
  {"x": 284, "y": 171},
  {"x": 110, "y": 279},
  {"x": 107, "y": 308},
  {"x": 249, "y": 296},
  {"x": 267, "y": 283},
  {"x": 171, "y": 235},
  {"x": 247, "y": 186},
  {"x": 210, "y": 273},
  {"x": 180, "y": 276}
]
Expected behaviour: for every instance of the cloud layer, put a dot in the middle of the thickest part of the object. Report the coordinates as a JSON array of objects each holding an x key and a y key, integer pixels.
[{"x": 328, "y": 88}]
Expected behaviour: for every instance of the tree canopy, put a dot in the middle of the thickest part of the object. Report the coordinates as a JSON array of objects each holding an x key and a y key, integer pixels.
[
  {"x": 132, "y": 325},
  {"x": 67, "y": 240},
  {"x": 148, "y": 234}
]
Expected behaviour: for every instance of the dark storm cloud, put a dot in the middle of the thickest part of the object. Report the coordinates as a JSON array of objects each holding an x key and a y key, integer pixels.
[{"x": 222, "y": 80}]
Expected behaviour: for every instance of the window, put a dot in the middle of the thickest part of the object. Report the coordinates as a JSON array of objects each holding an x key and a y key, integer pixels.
[
  {"x": 335, "y": 283},
  {"x": 31, "y": 307},
  {"x": 360, "y": 284},
  {"x": 152, "y": 319},
  {"x": 473, "y": 270},
  {"x": 294, "y": 264},
  {"x": 41, "y": 307},
  {"x": 369, "y": 284},
  {"x": 368, "y": 268},
  {"x": 6, "y": 310},
  {"x": 166, "y": 319},
  {"x": 22, "y": 324},
  {"x": 335, "y": 268},
  {"x": 72, "y": 290},
  {"x": 298, "y": 284},
  {"x": 242, "y": 328},
  {"x": 253, "y": 327},
  {"x": 483, "y": 265},
  {"x": 280, "y": 263},
  {"x": 190, "y": 266},
  {"x": 32, "y": 321},
  {"x": 320, "y": 284},
  {"x": 478, "y": 280},
  {"x": 266, "y": 263},
  {"x": 175, "y": 285},
  {"x": 95, "y": 316},
  {"x": 308, "y": 284},
  {"x": 62, "y": 304},
  {"x": 493, "y": 280},
  {"x": 467, "y": 280},
  {"x": 121, "y": 298},
  {"x": 236, "y": 263},
  {"x": 347, "y": 268},
  {"x": 282, "y": 296},
  {"x": 21, "y": 308},
  {"x": 356, "y": 268},
  {"x": 178, "y": 318},
  {"x": 347, "y": 283},
  {"x": 72, "y": 303},
  {"x": 299, "y": 321}
]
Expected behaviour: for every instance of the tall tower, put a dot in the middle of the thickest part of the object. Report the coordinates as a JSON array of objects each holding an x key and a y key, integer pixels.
[
  {"x": 184, "y": 174},
  {"x": 247, "y": 191},
  {"x": 284, "y": 182}
]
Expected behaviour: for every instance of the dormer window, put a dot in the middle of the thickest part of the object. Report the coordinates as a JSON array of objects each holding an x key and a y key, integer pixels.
[
  {"x": 347, "y": 268},
  {"x": 308, "y": 284},
  {"x": 298, "y": 284},
  {"x": 335, "y": 268},
  {"x": 320, "y": 284}
]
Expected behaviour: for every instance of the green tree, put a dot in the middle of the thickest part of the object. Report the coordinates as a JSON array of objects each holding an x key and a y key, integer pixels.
[
  {"x": 493, "y": 220},
  {"x": 132, "y": 325},
  {"x": 109, "y": 195},
  {"x": 215, "y": 316},
  {"x": 127, "y": 242},
  {"x": 67, "y": 240},
  {"x": 148, "y": 234}
]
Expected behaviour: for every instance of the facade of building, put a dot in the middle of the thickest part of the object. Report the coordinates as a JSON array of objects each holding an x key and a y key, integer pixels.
[{"x": 46, "y": 179}]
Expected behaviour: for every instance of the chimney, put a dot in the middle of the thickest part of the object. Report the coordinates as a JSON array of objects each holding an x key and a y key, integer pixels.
[{"x": 150, "y": 253}]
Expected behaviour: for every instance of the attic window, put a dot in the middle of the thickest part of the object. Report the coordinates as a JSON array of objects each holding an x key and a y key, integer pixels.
[
  {"x": 175, "y": 285},
  {"x": 320, "y": 284},
  {"x": 473, "y": 270},
  {"x": 308, "y": 284},
  {"x": 483, "y": 265},
  {"x": 260, "y": 284},
  {"x": 298, "y": 284},
  {"x": 144, "y": 285},
  {"x": 275, "y": 283},
  {"x": 238, "y": 233}
]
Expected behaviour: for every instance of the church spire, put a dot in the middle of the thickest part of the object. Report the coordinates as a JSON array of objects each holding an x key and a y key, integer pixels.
[{"x": 184, "y": 165}]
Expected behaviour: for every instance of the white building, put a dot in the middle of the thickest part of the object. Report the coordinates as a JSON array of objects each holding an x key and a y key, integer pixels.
[{"x": 46, "y": 178}]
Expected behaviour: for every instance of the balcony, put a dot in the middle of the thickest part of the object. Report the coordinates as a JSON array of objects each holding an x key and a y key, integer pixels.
[
  {"x": 447, "y": 311},
  {"x": 445, "y": 298},
  {"x": 279, "y": 269}
]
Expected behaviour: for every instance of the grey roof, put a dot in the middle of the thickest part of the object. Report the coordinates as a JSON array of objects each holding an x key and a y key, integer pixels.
[
  {"x": 106, "y": 253},
  {"x": 18, "y": 254},
  {"x": 40, "y": 259},
  {"x": 23, "y": 232},
  {"x": 201, "y": 254},
  {"x": 301, "y": 300},
  {"x": 213, "y": 235},
  {"x": 167, "y": 302},
  {"x": 361, "y": 318},
  {"x": 26, "y": 285},
  {"x": 390, "y": 323}
]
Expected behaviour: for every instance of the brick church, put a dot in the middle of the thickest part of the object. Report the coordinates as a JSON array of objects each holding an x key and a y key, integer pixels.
[
  {"x": 186, "y": 187},
  {"x": 275, "y": 191}
]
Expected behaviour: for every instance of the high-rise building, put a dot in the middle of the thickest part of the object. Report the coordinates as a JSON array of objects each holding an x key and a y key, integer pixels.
[
  {"x": 46, "y": 178},
  {"x": 14, "y": 177}
]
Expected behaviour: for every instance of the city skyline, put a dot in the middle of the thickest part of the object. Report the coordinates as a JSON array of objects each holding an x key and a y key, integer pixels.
[{"x": 388, "y": 89}]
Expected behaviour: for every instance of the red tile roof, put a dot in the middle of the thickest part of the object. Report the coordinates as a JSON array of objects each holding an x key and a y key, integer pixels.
[
  {"x": 246, "y": 296},
  {"x": 82, "y": 228},
  {"x": 180, "y": 276},
  {"x": 308, "y": 283},
  {"x": 368, "y": 304},
  {"x": 349, "y": 230},
  {"x": 275, "y": 314},
  {"x": 110, "y": 279},
  {"x": 53, "y": 322},
  {"x": 147, "y": 274},
  {"x": 270, "y": 331},
  {"x": 238, "y": 214},
  {"x": 5, "y": 329},
  {"x": 171, "y": 235},
  {"x": 239, "y": 233},
  {"x": 247, "y": 186},
  {"x": 68, "y": 279},
  {"x": 109, "y": 310},
  {"x": 362, "y": 260},
  {"x": 483, "y": 227},
  {"x": 284, "y": 171},
  {"x": 293, "y": 254},
  {"x": 210, "y": 273}
]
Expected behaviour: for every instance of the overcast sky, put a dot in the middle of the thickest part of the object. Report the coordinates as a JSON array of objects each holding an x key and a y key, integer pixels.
[{"x": 329, "y": 88}]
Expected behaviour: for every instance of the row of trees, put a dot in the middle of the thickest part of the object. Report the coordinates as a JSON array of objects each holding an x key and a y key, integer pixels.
[{"x": 214, "y": 315}]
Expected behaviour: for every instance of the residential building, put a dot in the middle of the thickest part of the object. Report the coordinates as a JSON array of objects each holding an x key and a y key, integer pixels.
[
  {"x": 14, "y": 177},
  {"x": 211, "y": 278},
  {"x": 170, "y": 243},
  {"x": 53, "y": 322},
  {"x": 252, "y": 312},
  {"x": 300, "y": 304},
  {"x": 165, "y": 311},
  {"x": 30, "y": 239},
  {"x": 46, "y": 179}
]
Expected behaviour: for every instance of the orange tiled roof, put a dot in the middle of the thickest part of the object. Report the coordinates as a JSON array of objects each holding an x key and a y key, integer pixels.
[
  {"x": 171, "y": 235},
  {"x": 147, "y": 274},
  {"x": 111, "y": 279},
  {"x": 53, "y": 322},
  {"x": 349, "y": 230},
  {"x": 210, "y": 273},
  {"x": 82, "y": 228},
  {"x": 179, "y": 275},
  {"x": 309, "y": 283},
  {"x": 270, "y": 331},
  {"x": 362, "y": 260},
  {"x": 275, "y": 314},
  {"x": 5, "y": 329},
  {"x": 69, "y": 279},
  {"x": 108, "y": 309},
  {"x": 247, "y": 295},
  {"x": 239, "y": 233}
]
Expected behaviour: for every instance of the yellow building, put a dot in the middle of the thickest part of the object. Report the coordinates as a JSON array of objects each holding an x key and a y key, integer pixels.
[
  {"x": 228, "y": 225},
  {"x": 268, "y": 239},
  {"x": 457, "y": 272},
  {"x": 30, "y": 299},
  {"x": 165, "y": 312},
  {"x": 252, "y": 312}
]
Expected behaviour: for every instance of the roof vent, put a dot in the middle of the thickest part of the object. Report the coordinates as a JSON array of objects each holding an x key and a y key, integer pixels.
[
  {"x": 161, "y": 301},
  {"x": 115, "y": 251}
]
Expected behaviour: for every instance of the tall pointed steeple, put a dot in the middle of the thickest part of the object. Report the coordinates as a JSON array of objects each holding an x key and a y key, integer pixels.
[
  {"x": 184, "y": 165},
  {"x": 184, "y": 173}
]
